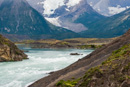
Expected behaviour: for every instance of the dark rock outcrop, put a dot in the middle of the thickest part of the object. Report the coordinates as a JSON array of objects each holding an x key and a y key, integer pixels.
[
  {"x": 79, "y": 68},
  {"x": 75, "y": 54},
  {"x": 10, "y": 52}
]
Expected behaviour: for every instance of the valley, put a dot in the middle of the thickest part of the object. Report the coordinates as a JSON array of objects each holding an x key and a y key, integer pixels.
[{"x": 64, "y": 43}]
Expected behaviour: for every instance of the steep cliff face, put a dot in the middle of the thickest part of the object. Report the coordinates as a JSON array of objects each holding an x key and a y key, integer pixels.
[
  {"x": 79, "y": 68},
  {"x": 10, "y": 52}
]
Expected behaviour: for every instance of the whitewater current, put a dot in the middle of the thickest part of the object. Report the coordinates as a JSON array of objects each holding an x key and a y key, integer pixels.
[{"x": 39, "y": 64}]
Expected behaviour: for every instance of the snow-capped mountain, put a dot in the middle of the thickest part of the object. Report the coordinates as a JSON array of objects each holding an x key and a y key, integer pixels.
[
  {"x": 50, "y": 6},
  {"x": 109, "y": 7},
  {"x": 20, "y": 21},
  {"x": 104, "y": 7},
  {"x": 63, "y": 12},
  {"x": 78, "y": 15}
]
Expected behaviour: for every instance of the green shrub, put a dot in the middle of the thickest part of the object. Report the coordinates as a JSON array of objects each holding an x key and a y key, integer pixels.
[{"x": 69, "y": 83}]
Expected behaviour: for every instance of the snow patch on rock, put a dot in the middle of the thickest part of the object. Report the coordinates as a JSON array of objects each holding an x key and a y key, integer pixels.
[
  {"x": 116, "y": 10},
  {"x": 91, "y": 4},
  {"x": 54, "y": 21},
  {"x": 72, "y": 3},
  {"x": 8, "y": 30},
  {"x": 51, "y": 5},
  {"x": 109, "y": 7}
]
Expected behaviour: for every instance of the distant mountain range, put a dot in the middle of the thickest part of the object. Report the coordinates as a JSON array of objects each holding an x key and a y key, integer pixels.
[
  {"x": 64, "y": 13},
  {"x": 109, "y": 7},
  {"x": 27, "y": 19},
  {"x": 83, "y": 16},
  {"x": 104, "y": 7},
  {"x": 19, "y": 20},
  {"x": 109, "y": 27}
]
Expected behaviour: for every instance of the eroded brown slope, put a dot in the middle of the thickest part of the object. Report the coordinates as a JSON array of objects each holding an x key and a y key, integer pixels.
[
  {"x": 10, "y": 52},
  {"x": 79, "y": 68},
  {"x": 114, "y": 72}
]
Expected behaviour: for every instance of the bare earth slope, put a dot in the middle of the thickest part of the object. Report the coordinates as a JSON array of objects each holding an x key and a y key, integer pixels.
[{"x": 79, "y": 68}]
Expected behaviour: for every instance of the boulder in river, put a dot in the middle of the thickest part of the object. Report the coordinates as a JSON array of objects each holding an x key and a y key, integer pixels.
[{"x": 75, "y": 54}]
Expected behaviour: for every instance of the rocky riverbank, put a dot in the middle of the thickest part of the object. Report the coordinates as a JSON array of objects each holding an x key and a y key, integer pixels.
[
  {"x": 9, "y": 51},
  {"x": 111, "y": 73}
]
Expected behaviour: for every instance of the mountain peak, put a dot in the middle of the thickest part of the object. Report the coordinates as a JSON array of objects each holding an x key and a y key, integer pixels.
[
  {"x": 63, "y": 13},
  {"x": 20, "y": 19}
]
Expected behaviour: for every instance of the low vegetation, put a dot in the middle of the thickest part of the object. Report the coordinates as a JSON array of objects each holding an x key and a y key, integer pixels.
[{"x": 69, "y": 83}]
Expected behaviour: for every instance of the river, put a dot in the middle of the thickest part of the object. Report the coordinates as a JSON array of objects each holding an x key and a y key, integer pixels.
[{"x": 39, "y": 64}]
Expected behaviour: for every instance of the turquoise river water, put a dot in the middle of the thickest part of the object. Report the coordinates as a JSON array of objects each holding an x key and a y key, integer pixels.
[{"x": 39, "y": 64}]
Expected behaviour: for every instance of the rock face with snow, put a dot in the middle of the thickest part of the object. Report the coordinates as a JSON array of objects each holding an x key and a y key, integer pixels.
[
  {"x": 19, "y": 20},
  {"x": 64, "y": 12},
  {"x": 109, "y": 7}
]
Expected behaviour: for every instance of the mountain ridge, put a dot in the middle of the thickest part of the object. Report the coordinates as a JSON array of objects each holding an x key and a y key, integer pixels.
[
  {"x": 65, "y": 13},
  {"x": 109, "y": 27},
  {"x": 19, "y": 18},
  {"x": 109, "y": 7}
]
